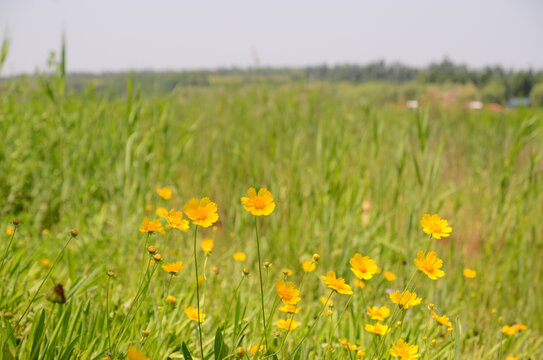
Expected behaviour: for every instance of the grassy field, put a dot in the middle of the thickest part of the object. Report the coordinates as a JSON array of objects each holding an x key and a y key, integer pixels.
[{"x": 348, "y": 176}]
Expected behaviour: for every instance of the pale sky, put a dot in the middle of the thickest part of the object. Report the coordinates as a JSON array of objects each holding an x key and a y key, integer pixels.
[{"x": 112, "y": 35}]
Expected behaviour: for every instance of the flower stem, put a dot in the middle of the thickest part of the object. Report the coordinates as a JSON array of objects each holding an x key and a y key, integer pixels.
[
  {"x": 295, "y": 307},
  {"x": 7, "y": 249},
  {"x": 198, "y": 293},
  {"x": 314, "y": 323},
  {"x": 107, "y": 314},
  {"x": 261, "y": 286}
]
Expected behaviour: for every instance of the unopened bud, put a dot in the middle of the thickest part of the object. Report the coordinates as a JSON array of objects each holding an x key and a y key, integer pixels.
[{"x": 240, "y": 352}]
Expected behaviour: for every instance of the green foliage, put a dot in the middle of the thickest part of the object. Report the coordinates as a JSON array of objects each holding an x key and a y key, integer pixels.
[
  {"x": 494, "y": 92},
  {"x": 536, "y": 96},
  {"x": 92, "y": 160}
]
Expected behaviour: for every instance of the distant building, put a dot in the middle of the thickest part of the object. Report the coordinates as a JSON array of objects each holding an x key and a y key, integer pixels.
[
  {"x": 495, "y": 107},
  {"x": 519, "y": 102},
  {"x": 475, "y": 105},
  {"x": 412, "y": 104}
]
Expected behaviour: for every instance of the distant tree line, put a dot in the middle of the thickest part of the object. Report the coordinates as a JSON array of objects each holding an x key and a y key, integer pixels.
[{"x": 495, "y": 83}]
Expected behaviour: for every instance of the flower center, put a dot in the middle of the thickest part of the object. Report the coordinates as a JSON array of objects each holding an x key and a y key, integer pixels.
[{"x": 259, "y": 203}]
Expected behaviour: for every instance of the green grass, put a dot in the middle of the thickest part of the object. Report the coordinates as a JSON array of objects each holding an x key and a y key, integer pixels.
[{"x": 92, "y": 162}]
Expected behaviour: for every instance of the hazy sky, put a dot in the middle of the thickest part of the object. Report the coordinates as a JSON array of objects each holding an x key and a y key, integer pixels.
[{"x": 162, "y": 34}]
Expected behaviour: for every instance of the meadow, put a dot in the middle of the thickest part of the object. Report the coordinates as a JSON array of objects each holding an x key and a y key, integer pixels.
[{"x": 348, "y": 175}]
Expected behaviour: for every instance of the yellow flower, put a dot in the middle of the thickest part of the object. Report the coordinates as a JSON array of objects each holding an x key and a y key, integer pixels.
[
  {"x": 378, "y": 328},
  {"x": 309, "y": 266},
  {"x": 360, "y": 353},
  {"x": 435, "y": 226},
  {"x": 443, "y": 320},
  {"x": 171, "y": 300},
  {"x": 359, "y": 283},
  {"x": 406, "y": 300},
  {"x": 324, "y": 299},
  {"x": 173, "y": 268},
  {"x": 286, "y": 272},
  {"x": 430, "y": 265},
  {"x": 377, "y": 313},
  {"x": 511, "y": 357},
  {"x": 287, "y": 324},
  {"x": 353, "y": 347},
  {"x": 520, "y": 327},
  {"x": 192, "y": 314},
  {"x": 258, "y": 204},
  {"x": 389, "y": 275},
  {"x": 343, "y": 342},
  {"x": 239, "y": 256},
  {"x": 203, "y": 212},
  {"x": 254, "y": 348},
  {"x": 174, "y": 218},
  {"x": 207, "y": 245},
  {"x": 148, "y": 208},
  {"x": 404, "y": 350},
  {"x": 287, "y": 292},
  {"x": 508, "y": 330},
  {"x": 151, "y": 226},
  {"x": 287, "y": 308},
  {"x": 469, "y": 273},
  {"x": 134, "y": 354},
  {"x": 46, "y": 262},
  {"x": 10, "y": 230},
  {"x": 164, "y": 193},
  {"x": 336, "y": 284},
  {"x": 363, "y": 267}
]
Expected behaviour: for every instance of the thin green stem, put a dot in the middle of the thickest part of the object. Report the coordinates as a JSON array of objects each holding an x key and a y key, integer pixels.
[
  {"x": 7, "y": 249},
  {"x": 166, "y": 242},
  {"x": 261, "y": 285},
  {"x": 314, "y": 323},
  {"x": 394, "y": 314},
  {"x": 169, "y": 283},
  {"x": 198, "y": 292},
  {"x": 107, "y": 314},
  {"x": 294, "y": 312}
]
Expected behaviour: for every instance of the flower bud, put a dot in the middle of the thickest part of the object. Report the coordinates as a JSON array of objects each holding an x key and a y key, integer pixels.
[
  {"x": 16, "y": 221},
  {"x": 240, "y": 352},
  {"x": 152, "y": 249},
  {"x": 171, "y": 300},
  {"x": 316, "y": 257},
  {"x": 246, "y": 271},
  {"x": 157, "y": 257},
  {"x": 74, "y": 232}
]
